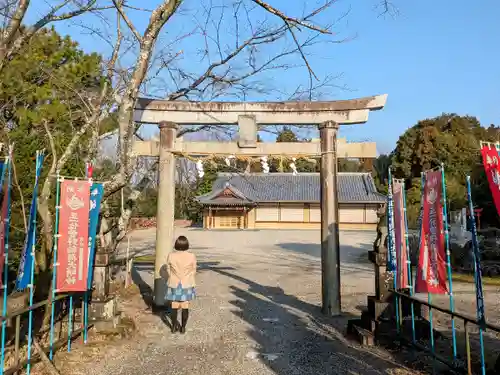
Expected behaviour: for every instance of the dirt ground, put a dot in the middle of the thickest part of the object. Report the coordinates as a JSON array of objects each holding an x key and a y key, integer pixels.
[{"x": 257, "y": 311}]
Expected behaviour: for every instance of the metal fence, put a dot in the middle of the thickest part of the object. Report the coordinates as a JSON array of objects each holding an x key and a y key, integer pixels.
[
  {"x": 467, "y": 356},
  {"x": 50, "y": 335}
]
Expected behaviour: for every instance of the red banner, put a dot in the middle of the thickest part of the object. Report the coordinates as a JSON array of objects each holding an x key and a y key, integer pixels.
[
  {"x": 72, "y": 244},
  {"x": 492, "y": 168},
  {"x": 431, "y": 271},
  {"x": 90, "y": 169},
  {"x": 4, "y": 210},
  {"x": 400, "y": 235}
]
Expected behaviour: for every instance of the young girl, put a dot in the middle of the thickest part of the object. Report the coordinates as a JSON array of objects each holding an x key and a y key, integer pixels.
[{"x": 181, "y": 270}]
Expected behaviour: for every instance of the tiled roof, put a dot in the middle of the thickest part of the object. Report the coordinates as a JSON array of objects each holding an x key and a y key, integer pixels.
[
  {"x": 305, "y": 187},
  {"x": 216, "y": 196}
]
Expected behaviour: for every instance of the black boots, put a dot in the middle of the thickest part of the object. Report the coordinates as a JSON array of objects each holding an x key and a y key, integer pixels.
[
  {"x": 185, "y": 317},
  {"x": 175, "y": 324}
]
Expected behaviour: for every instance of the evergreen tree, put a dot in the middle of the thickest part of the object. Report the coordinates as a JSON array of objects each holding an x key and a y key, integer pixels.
[
  {"x": 283, "y": 165},
  {"x": 40, "y": 98},
  {"x": 454, "y": 141}
]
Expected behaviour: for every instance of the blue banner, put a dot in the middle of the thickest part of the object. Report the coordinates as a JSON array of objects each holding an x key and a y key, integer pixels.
[
  {"x": 26, "y": 262},
  {"x": 2, "y": 174},
  {"x": 477, "y": 260},
  {"x": 96, "y": 193},
  {"x": 391, "y": 240}
]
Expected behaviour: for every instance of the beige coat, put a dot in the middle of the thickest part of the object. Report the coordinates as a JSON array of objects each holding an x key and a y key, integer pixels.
[{"x": 181, "y": 268}]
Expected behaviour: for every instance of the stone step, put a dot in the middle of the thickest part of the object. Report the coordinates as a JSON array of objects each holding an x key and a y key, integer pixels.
[
  {"x": 379, "y": 310},
  {"x": 367, "y": 321},
  {"x": 363, "y": 336},
  {"x": 109, "y": 325}
]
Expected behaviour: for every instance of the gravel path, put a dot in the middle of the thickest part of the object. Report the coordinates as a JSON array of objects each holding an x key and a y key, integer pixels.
[{"x": 257, "y": 311}]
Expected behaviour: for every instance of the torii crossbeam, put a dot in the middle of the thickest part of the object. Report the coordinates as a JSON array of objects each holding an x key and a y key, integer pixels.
[{"x": 328, "y": 115}]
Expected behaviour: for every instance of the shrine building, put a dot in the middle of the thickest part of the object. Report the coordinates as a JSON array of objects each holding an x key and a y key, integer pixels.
[{"x": 287, "y": 201}]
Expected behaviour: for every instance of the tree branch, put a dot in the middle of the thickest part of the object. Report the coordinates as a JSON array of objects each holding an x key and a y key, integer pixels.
[
  {"x": 14, "y": 24},
  {"x": 295, "y": 21},
  {"x": 15, "y": 41},
  {"x": 254, "y": 39},
  {"x": 119, "y": 8},
  {"x": 21, "y": 195},
  {"x": 158, "y": 19}
]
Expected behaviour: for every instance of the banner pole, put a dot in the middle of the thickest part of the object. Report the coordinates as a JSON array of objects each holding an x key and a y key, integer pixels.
[
  {"x": 429, "y": 296},
  {"x": 70, "y": 321},
  {"x": 85, "y": 316},
  {"x": 86, "y": 295},
  {"x": 477, "y": 276},
  {"x": 96, "y": 192},
  {"x": 70, "y": 317},
  {"x": 6, "y": 255},
  {"x": 390, "y": 243},
  {"x": 431, "y": 325},
  {"x": 408, "y": 262},
  {"x": 38, "y": 167},
  {"x": 4, "y": 311},
  {"x": 448, "y": 261},
  {"x": 55, "y": 264}
]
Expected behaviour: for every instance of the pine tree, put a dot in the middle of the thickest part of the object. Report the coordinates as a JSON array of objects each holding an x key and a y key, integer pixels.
[{"x": 40, "y": 90}]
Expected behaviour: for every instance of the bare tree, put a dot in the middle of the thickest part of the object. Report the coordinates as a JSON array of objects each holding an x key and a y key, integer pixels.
[
  {"x": 217, "y": 49},
  {"x": 93, "y": 105},
  {"x": 12, "y": 13},
  {"x": 263, "y": 40}
]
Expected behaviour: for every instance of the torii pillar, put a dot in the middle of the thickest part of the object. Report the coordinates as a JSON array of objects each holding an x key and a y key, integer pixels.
[
  {"x": 327, "y": 115},
  {"x": 330, "y": 246},
  {"x": 165, "y": 207}
]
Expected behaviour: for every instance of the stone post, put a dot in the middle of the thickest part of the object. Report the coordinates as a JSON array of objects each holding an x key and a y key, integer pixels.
[
  {"x": 379, "y": 303},
  {"x": 165, "y": 208},
  {"x": 103, "y": 311},
  {"x": 330, "y": 249}
]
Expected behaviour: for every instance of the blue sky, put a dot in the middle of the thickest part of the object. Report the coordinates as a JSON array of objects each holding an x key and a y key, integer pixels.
[{"x": 431, "y": 57}]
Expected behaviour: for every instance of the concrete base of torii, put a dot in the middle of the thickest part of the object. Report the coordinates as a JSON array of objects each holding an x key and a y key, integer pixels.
[{"x": 329, "y": 115}]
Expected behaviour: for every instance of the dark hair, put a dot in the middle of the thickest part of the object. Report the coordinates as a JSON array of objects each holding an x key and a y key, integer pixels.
[{"x": 181, "y": 243}]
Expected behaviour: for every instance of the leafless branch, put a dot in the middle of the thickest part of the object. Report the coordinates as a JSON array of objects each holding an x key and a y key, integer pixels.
[
  {"x": 119, "y": 6},
  {"x": 296, "y": 21},
  {"x": 233, "y": 73},
  {"x": 238, "y": 45},
  {"x": 53, "y": 149},
  {"x": 15, "y": 36},
  {"x": 387, "y": 8}
]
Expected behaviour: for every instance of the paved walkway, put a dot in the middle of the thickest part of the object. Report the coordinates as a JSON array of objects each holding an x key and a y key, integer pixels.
[{"x": 257, "y": 311}]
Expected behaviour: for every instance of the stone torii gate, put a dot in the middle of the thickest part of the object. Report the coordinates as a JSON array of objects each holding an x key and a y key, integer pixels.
[{"x": 328, "y": 115}]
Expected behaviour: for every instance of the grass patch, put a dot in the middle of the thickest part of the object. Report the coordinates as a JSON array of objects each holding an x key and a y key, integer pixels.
[
  {"x": 144, "y": 259},
  {"x": 466, "y": 278}
]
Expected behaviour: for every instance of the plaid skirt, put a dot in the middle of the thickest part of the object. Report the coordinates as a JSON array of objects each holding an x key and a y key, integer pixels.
[{"x": 180, "y": 294}]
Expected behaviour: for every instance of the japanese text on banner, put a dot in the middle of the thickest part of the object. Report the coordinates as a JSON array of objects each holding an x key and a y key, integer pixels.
[
  {"x": 431, "y": 272},
  {"x": 400, "y": 235},
  {"x": 73, "y": 250},
  {"x": 492, "y": 169},
  {"x": 97, "y": 191}
]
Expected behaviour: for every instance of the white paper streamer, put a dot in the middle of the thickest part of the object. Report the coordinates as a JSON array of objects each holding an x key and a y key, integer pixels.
[
  {"x": 293, "y": 167},
  {"x": 264, "y": 164},
  {"x": 199, "y": 168},
  {"x": 228, "y": 160}
]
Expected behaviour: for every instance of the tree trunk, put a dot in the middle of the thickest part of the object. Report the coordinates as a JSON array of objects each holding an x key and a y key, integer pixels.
[
  {"x": 45, "y": 214},
  {"x": 11, "y": 31},
  {"x": 126, "y": 127}
]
